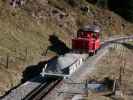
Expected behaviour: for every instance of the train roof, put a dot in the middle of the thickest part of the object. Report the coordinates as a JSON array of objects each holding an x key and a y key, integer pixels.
[{"x": 92, "y": 28}]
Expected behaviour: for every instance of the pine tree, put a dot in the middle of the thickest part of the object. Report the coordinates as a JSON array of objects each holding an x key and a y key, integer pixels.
[
  {"x": 123, "y": 8},
  {"x": 129, "y": 10}
]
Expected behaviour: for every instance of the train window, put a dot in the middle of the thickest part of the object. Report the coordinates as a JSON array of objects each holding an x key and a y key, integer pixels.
[
  {"x": 94, "y": 35},
  {"x": 81, "y": 34}
]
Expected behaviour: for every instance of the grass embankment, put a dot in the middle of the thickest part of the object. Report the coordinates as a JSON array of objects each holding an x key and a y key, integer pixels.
[{"x": 23, "y": 39}]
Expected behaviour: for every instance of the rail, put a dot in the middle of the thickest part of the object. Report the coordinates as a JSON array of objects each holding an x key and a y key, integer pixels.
[
  {"x": 43, "y": 89},
  {"x": 117, "y": 40}
]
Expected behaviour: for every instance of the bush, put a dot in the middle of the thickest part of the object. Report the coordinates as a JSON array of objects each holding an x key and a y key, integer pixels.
[{"x": 123, "y": 8}]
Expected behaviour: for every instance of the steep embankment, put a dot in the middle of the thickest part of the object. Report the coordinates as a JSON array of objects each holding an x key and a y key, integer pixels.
[{"x": 25, "y": 30}]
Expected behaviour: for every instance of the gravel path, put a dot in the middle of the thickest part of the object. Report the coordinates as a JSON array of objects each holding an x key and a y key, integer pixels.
[{"x": 20, "y": 92}]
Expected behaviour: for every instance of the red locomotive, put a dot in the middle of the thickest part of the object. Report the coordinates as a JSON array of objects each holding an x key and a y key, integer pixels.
[{"x": 87, "y": 40}]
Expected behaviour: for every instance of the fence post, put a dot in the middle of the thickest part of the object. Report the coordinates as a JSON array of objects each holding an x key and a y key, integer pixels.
[
  {"x": 0, "y": 59},
  {"x": 45, "y": 51},
  {"x": 86, "y": 88},
  {"x": 26, "y": 54},
  {"x": 7, "y": 61}
]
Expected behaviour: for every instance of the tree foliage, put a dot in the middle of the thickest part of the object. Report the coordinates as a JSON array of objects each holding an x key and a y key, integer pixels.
[{"x": 122, "y": 7}]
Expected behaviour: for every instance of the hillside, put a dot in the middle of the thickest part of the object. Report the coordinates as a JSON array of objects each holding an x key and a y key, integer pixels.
[
  {"x": 25, "y": 31},
  {"x": 110, "y": 66}
]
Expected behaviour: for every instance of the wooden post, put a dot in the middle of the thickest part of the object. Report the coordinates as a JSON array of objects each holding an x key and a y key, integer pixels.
[
  {"x": 124, "y": 65},
  {"x": 114, "y": 86},
  {"x": 0, "y": 60},
  {"x": 7, "y": 61},
  {"x": 120, "y": 75},
  {"x": 86, "y": 88},
  {"x": 26, "y": 54},
  {"x": 45, "y": 53}
]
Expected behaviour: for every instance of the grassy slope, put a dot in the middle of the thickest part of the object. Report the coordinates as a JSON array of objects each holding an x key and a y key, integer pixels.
[
  {"x": 19, "y": 31},
  {"x": 109, "y": 66},
  {"x": 30, "y": 26}
]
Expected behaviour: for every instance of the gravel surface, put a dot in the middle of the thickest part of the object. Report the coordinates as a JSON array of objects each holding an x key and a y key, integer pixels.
[
  {"x": 20, "y": 92},
  {"x": 63, "y": 62}
]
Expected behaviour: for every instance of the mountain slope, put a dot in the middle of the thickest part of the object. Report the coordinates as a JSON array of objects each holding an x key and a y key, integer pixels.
[{"x": 25, "y": 30}]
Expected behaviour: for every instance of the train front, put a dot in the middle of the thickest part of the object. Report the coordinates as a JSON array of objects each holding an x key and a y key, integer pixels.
[{"x": 86, "y": 40}]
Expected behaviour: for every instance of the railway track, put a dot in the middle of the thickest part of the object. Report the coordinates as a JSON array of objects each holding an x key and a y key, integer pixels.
[
  {"x": 116, "y": 40},
  {"x": 42, "y": 90},
  {"x": 46, "y": 87}
]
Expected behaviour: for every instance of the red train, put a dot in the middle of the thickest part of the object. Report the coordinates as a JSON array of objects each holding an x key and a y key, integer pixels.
[{"x": 87, "y": 40}]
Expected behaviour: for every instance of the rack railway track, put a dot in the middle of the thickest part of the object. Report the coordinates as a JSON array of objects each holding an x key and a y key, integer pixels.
[
  {"x": 46, "y": 87},
  {"x": 42, "y": 90}
]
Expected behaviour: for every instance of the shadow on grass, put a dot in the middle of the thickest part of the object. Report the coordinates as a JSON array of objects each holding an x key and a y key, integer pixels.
[
  {"x": 57, "y": 45},
  {"x": 34, "y": 71},
  {"x": 127, "y": 45},
  {"x": 32, "y": 74}
]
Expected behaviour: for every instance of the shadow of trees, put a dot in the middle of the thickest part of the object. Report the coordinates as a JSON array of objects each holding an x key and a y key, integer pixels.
[
  {"x": 121, "y": 7},
  {"x": 33, "y": 71},
  {"x": 56, "y": 46},
  {"x": 127, "y": 45},
  {"x": 109, "y": 82}
]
